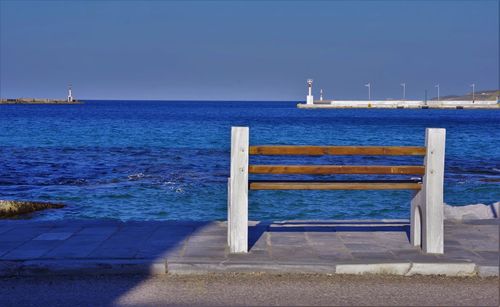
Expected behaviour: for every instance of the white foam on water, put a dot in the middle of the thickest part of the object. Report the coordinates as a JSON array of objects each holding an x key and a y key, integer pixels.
[{"x": 136, "y": 176}]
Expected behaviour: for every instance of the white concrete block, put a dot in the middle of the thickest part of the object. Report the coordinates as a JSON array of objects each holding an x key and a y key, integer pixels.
[
  {"x": 376, "y": 268},
  {"x": 448, "y": 269}
]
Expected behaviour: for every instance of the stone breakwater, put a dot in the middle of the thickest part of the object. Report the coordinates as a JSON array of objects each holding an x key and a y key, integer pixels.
[
  {"x": 10, "y": 208},
  {"x": 37, "y": 101}
]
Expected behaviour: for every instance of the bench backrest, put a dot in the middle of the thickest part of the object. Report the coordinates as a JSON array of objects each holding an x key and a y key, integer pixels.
[
  {"x": 339, "y": 151},
  {"x": 336, "y": 169}
]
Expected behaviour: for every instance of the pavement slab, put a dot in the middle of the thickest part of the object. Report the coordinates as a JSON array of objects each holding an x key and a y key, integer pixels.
[{"x": 53, "y": 236}]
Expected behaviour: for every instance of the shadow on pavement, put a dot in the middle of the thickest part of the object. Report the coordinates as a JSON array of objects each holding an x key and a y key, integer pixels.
[{"x": 256, "y": 232}]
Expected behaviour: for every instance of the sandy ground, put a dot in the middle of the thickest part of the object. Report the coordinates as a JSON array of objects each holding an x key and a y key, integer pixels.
[{"x": 247, "y": 289}]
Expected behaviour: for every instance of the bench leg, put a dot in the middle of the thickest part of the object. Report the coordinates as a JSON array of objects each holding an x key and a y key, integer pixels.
[
  {"x": 238, "y": 191},
  {"x": 416, "y": 220},
  {"x": 229, "y": 240},
  {"x": 427, "y": 226}
]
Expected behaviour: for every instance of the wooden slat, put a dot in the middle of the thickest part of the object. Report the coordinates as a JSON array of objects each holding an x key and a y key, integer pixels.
[
  {"x": 336, "y": 169},
  {"x": 333, "y": 186},
  {"x": 338, "y": 150}
]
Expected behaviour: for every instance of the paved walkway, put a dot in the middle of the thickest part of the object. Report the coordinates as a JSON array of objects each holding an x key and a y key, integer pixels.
[{"x": 106, "y": 246}]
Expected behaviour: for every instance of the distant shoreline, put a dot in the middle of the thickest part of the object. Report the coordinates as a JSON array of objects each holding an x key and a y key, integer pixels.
[{"x": 37, "y": 101}]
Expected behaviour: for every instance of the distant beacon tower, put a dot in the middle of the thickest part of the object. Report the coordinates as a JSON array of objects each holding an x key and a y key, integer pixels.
[
  {"x": 310, "y": 99},
  {"x": 321, "y": 94},
  {"x": 70, "y": 94}
]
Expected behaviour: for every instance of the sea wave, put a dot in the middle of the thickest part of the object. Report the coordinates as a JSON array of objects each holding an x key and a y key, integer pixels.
[{"x": 136, "y": 176}]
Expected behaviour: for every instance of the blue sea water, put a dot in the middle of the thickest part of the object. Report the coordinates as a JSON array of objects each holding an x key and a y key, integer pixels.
[{"x": 165, "y": 160}]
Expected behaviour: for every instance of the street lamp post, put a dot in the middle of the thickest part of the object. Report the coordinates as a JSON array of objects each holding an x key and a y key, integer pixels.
[
  {"x": 437, "y": 85},
  {"x": 369, "y": 86},
  {"x": 473, "y": 85},
  {"x": 404, "y": 90}
]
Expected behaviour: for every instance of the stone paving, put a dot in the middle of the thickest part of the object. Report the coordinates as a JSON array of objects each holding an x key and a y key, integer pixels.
[{"x": 100, "y": 246}]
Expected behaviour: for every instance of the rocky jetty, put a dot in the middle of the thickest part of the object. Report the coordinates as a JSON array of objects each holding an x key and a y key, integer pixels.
[{"x": 10, "y": 208}]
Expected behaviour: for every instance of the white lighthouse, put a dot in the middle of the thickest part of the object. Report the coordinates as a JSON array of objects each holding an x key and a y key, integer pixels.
[
  {"x": 321, "y": 94},
  {"x": 310, "y": 99},
  {"x": 70, "y": 94}
]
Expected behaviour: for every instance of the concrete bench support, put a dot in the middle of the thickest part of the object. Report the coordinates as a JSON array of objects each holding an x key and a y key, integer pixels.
[
  {"x": 238, "y": 191},
  {"x": 427, "y": 229}
]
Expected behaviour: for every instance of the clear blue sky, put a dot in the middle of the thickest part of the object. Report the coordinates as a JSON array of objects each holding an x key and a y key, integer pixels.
[{"x": 246, "y": 50}]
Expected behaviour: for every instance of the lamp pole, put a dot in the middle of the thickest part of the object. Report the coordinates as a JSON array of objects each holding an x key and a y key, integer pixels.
[
  {"x": 437, "y": 85},
  {"x": 404, "y": 90},
  {"x": 369, "y": 86},
  {"x": 473, "y": 92}
]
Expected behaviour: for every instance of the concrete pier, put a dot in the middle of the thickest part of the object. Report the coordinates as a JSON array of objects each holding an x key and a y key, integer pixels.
[{"x": 401, "y": 104}]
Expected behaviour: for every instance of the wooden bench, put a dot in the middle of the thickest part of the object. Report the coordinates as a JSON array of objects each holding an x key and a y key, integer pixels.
[{"x": 426, "y": 222}]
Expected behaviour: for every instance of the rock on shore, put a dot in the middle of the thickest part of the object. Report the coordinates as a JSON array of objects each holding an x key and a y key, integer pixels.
[
  {"x": 9, "y": 208},
  {"x": 472, "y": 212}
]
